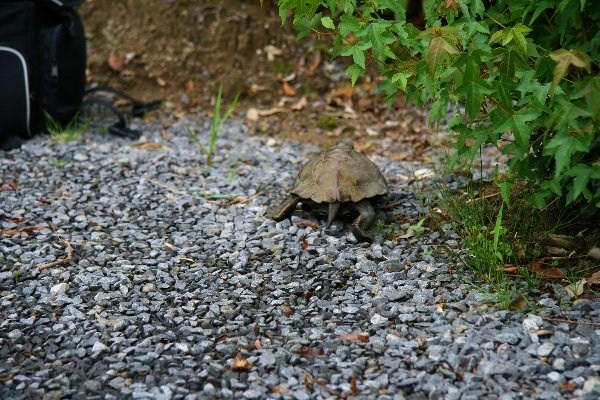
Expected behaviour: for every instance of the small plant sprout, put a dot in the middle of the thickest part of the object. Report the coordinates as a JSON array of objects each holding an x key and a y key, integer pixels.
[
  {"x": 66, "y": 133},
  {"x": 218, "y": 120}
]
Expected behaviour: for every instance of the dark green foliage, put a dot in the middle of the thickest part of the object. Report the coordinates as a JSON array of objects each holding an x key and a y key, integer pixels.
[{"x": 526, "y": 72}]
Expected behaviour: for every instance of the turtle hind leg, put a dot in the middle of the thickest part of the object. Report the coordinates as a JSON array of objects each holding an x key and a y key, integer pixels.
[
  {"x": 333, "y": 209},
  {"x": 285, "y": 208},
  {"x": 361, "y": 227}
]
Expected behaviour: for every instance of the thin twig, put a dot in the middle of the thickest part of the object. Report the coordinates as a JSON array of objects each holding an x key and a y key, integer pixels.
[
  {"x": 487, "y": 196},
  {"x": 61, "y": 261},
  {"x": 570, "y": 321}
]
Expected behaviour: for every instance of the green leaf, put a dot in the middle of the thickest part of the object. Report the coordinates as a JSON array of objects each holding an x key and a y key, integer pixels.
[
  {"x": 516, "y": 33},
  {"x": 398, "y": 7},
  {"x": 505, "y": 186},
  {"x": 591, "y": 92},
  {"x": 563, "y": 146},
  {"x": 327, "y": 22},
  {"x": 401, "y": 79},
  {"x": 348, "y": 23},
  {"x": 357, "y": 51},
  {"x": 539, "y": 199},
  {"x": 504, "y": 87},
  {"x": 581, "y": 174},
  {"x": 517, "y": 124},
  {"x": 438, "y": 49},
  {"x": 375, "y": 35},
  {"x": 354, "y": 71}
]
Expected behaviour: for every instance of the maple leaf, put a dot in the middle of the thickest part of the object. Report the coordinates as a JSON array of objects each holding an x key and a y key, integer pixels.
[
  {"x": 438, "y": 49},
  {"x": 564, "y": 59}
]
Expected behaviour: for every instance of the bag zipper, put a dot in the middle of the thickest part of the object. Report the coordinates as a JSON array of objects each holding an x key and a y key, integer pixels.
[{"x": 25, "y": 80}]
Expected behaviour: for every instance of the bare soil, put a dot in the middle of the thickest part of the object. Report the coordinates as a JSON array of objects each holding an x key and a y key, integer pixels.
[{"x": 182, "y": 50}]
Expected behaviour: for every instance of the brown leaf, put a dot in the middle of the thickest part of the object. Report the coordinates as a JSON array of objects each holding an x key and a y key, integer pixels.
[
  {"x": 542, "y": 332},
  {"x": 9, "y": 185},
  {"x": 300, "y": 104},
  {"x": 116, "y": 62},
  {"x": 191, "y": 87},
  {"x": 356, "y": 336},
  {"x": 510, "y": 269},
  {"x": 421, "y": 341},
  {"x": 303, "y": 223},
  {"x": 552, "y": 273},
  {"x": 316, "y": 61},
  {"x": 451, "y": 5},
  {"x": 310, "y": 352},
  {"x": 340, "y": 96},
  {"x": 279, "y": 389},
  {"x": 304, "y": 244},
  {"x": 289, "y": 90},
  {"x": 308, "y": 384},
  {"x": 569, "y": 385},
  {"x": 594, "y": 280},
  {"x": 240, "y": 364},
  {"x": 353, "y": 389},
  {"x": 150, "y": 146},
  {"x": 286, "y": 310},
  {"x": 519, "y": 303},
  {"x": 308, "y": 294},
  {"x": 26, "y": 229}
]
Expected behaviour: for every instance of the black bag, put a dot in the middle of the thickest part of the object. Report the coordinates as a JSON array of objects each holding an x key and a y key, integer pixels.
[
  {"x": 42, "y": 71},
  {"x": 42, "y": 66}
]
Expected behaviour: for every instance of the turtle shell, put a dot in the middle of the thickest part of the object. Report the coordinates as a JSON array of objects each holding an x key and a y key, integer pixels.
[{"x": 339, "y": 174}]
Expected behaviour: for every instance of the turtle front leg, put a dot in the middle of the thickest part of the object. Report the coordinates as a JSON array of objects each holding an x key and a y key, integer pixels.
[
  {"x": 361, "y": 227},
  {"x": 285, "y": 208}
]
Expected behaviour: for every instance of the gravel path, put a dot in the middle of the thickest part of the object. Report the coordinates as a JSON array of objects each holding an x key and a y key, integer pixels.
[{"x": 176, "y": 272}]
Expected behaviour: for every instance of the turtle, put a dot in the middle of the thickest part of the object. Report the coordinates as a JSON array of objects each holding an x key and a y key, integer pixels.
[{"x": 337, "y": 178}]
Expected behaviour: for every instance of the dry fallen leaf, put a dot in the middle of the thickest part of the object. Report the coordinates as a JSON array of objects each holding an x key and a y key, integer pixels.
[
  {"x": 519, "y": 303},
  {"x": 576, "y": 289},
  {"x": 252, "y": 114},
  {"x": 594, "y": 280},
  {"x": 356, "y": 336},
  {"x": 286, "y": 310},
  {"x": 441, "y": 307},
  {"x": 300, "y": 104},
  {"x": 303, "y": 223},
  {"x": 310, "y": 352},
  {"x": 288, "y": 89},
  {"x": 149, "y": 146},
  {"x": 9, "y": 185},
  {"x": 26, "y": 229},
  {"x": 552, "y": 273},
  {"x": 272, "y": 52},
  {"x": 421, "y": 341},
  {"x": 191, "y": 87},
  {"x": 308, "y": 383},
  {"x": 116, "y": 62},
  {"x": 240, "y": 364},
  {"x": 304, "y": 244},
  {"x": 280, "y": 389},
  {"x": 542, "y": 332}
]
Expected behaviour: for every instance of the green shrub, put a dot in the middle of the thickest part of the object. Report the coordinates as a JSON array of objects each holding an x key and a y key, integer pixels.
[{"x": 525, "y": 72}]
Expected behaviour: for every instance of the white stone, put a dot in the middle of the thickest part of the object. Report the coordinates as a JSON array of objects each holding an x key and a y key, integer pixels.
[
  {"x": 60, "y": 289},
  {"x": 377, "y": 319},
  {"x": 99, "y": 347},
  {"x": 545, "y": 350}
]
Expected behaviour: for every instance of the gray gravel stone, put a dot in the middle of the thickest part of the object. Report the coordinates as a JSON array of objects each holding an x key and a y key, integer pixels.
[{"x": 181, "y": 287}]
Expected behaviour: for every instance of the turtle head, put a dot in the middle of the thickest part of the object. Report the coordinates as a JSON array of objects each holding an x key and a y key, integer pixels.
[{"x": 345, "y": 143}]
